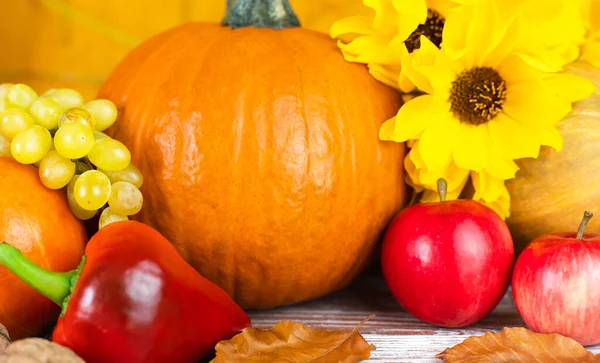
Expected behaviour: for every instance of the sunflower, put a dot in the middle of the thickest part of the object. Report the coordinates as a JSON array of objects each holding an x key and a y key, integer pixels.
[
  {"x": 482, "y": 107},
  {"x": 550, "y": 35},
  {"x": 590, "y": 51},
  {"x": 383, "y": 39}
]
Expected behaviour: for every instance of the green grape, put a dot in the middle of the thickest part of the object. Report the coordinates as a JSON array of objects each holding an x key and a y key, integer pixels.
[
  {"x": 67, "y": 98},
  {"x": 4, "y": 87},
  {"x": 104, "y": 112},
  {"x": 73, "y": 140},
  {"x": 3, "y": 105},
  {"x": 55, "y": 170},
  {"x": 109, "y": 216},
  {"x": 125, "y": 198},
  {"x": 14, "y": 121},
  {"x": 130, "y": 174},
  {"x": 76, "y": 209},
  {"x": 77, "y": 115},
  {"x": 21, "y": 95},
  {"x": 100, "y": 135},
  {"x": 31, "y": 145},
  {"x": 46, "y": 112},
  {"x": 92, "y": 190},
  {"x": 110, "y": 154},
  {"x": 4, "y": 147}
]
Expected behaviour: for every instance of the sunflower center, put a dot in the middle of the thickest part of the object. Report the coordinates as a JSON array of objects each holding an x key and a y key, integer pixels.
[
  {"x": 432, "y": 29},
  {"x": 477, "y": 95}
]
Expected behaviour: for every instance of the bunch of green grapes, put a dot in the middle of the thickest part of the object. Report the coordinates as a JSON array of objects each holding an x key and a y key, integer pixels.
[{"x": 62, "y": 136}]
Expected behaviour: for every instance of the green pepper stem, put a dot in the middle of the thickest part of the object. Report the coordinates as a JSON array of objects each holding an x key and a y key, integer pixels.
[
  {"x": 442, "y": 189},
  {"x": 55, "y": 286},
  {"x": 584, "y": 222},
  {"x": 274, "y": 14}
]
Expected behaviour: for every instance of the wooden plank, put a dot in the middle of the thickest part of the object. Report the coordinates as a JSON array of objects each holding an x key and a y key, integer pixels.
[{"x": 397, "y": 335}]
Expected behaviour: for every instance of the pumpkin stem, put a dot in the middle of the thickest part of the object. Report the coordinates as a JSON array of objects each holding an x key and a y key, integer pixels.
[
  {"x": 274, "y": 14},
  {"x": 584, "y": 222},
  {"x": 442, "y": 189}
]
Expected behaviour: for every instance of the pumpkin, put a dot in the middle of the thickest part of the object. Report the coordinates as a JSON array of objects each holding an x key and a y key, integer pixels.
[
  {"x": 76, "y": 43},
  {"x": 550, "y": 194},
  {"x": 260, "y": 152},
  {"x": 38, "y": 222}
]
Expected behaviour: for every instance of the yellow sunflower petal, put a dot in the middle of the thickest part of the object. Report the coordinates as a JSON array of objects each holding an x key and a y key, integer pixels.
[
  {"x": 500, "y": 166},
  {"x": 550, "y": 136},
  {"x": 410, "y": 13},
  {"x": 475, "y": 30},
  {"x": 455, "y": 31},
  {"x": 437, "y": 141},
  {"x": 504, "y": 44},
  {"x": 513, "y": 139},
  {"x": 415, "y": 157},
  {"x": 412, "y": 174},
  {"x": 385, "y": 18},
  {"x": 471, "y": 148},
  {"x": 553, "y": 31},
  {"x": 387, "y": 75},
  {"x": 515, "y": 70},
  {"x": 352, "y": 26},
  {"x": 370, "y": 49},
  {"x": 570, "y": 87},
  {"x": 411, "y": 120},
  {"x": 416, "y": 66},
  {"x": 492, "y": 192},
  {"x": 534, "y": 104},
  {"x": 387, "y": 129},
  {"x": 590, "y": 53}
]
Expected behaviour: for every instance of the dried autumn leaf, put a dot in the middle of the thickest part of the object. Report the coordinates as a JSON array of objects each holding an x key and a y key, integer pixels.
[
  {"x": 518, "y": 345},
  {"x": 289, "y": 341}
]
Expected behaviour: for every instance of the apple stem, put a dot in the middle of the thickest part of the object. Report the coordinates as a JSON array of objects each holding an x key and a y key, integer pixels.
[
  {"x": 584, "y": 222},
  {"x": 442, "y": 188}
]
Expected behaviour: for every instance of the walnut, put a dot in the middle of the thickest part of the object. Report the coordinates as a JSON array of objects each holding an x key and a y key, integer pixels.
[
  {"x": 37, "y": 350},
  {"x": 4, "y": 337}
]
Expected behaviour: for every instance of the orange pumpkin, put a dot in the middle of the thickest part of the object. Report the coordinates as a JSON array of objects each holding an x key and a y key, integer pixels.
[
  {"x": 260, "y": 152},
  {"x": 38, "y": 222}
]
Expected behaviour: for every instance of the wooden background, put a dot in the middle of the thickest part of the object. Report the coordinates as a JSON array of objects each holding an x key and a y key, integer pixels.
[{"x": 398, "y": 337}]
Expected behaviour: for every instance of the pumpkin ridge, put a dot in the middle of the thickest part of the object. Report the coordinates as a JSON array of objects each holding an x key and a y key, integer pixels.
[{"x": 190, "y": 51}]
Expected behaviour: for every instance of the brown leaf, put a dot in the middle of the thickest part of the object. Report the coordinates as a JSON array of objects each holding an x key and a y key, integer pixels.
[
  {"x": 289, "y": 341},
  {"x": 518, "y": 345}
]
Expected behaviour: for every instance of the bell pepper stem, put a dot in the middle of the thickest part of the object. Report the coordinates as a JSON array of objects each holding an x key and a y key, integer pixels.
[{"x": 56, "y": 286}]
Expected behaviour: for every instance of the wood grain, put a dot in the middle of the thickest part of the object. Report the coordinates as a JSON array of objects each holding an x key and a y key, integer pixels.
[{"x": 399, "y": 337}]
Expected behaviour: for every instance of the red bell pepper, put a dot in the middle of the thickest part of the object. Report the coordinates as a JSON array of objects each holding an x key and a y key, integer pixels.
[{"x": 133, "y": 299}]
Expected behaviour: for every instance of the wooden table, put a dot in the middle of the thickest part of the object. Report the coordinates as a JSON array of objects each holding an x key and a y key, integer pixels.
[{"x": 398, "y": 336}]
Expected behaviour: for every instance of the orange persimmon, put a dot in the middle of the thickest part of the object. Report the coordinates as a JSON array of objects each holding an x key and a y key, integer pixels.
[{"x": 38, "y": 222}]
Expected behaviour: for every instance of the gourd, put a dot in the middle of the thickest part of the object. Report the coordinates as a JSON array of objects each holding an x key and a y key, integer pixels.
[
  {"x": 260, "y": 153},
  {"x": 77, "y": 43},
  {"x": 37, "y": 221},
  {"x": 550, "y": 194}
]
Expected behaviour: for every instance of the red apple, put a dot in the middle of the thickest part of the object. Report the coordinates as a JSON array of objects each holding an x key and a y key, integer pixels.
[
  {"x": 448, "y": 263},
  {"x": 556, "y": 284}
]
